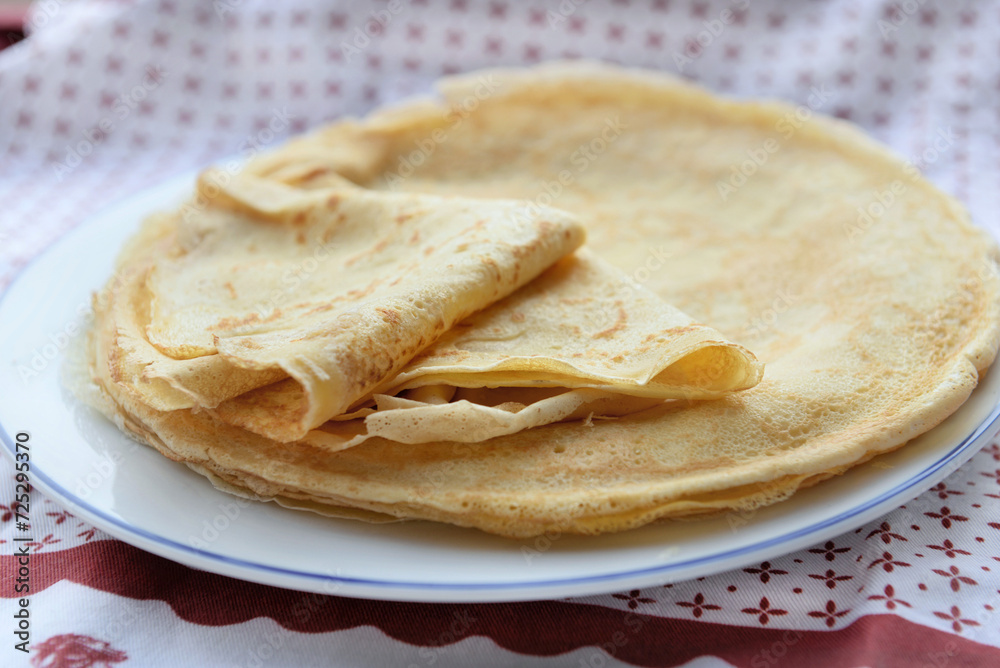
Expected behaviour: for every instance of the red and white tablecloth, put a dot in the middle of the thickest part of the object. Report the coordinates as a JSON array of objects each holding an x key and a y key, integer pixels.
[{"x": 107, "y": 97}]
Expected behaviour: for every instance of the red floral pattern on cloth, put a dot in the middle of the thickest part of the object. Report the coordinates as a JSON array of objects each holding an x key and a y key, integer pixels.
[
  {"x": 76, "y": 651},
  {"x": 106, "y": 98}
]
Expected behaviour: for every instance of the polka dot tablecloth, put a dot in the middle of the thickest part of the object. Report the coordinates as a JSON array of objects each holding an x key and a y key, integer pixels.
[{"x": 105, "y": 98}]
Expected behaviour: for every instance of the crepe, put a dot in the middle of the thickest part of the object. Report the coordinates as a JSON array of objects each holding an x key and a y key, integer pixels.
[
  {"x": 278, "y": 323},
  {"x": 874, "y": 323},
  {"x": 278, "y": 309},
  {"x": 258, "y": 308},
  {"x": 582, "y": 340}
]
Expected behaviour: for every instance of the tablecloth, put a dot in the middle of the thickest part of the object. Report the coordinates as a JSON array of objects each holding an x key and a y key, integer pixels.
[{"x": 107, "y": 97}]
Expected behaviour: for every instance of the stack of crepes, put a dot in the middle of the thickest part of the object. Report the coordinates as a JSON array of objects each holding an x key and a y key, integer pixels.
[
  {"x": 327, "y": 317},
  {"x": 326, "y": 331}
]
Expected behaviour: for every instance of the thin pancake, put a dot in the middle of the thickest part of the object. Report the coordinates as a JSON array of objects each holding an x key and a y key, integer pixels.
[
  {"x": 333, "y": 290},
  {"x": 605, "y": 345}
]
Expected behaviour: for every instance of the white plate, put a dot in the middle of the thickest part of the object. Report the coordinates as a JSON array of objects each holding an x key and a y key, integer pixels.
[{"x": 82, "y": 461}]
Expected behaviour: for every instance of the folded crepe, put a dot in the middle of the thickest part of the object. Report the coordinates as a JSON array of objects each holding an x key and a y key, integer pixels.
[
  {"x": 278, "y": 310},
  {"x": 581, "y": 341},
  {"x": 281, "y": 323}
]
